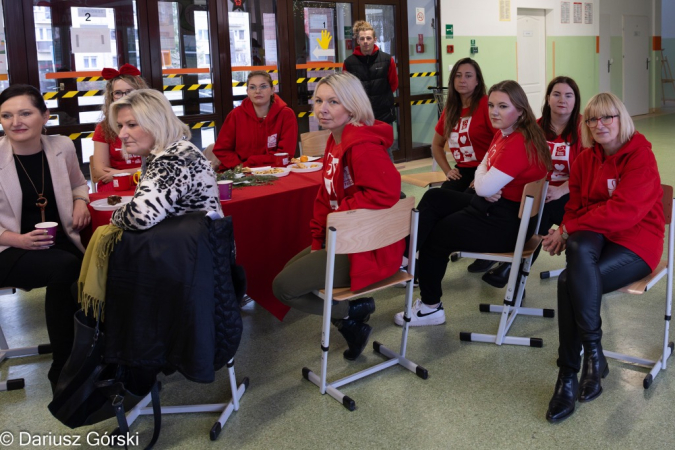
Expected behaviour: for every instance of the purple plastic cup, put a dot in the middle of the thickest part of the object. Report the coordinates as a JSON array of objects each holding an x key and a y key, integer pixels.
[
  {"x": 49, "y": 227},
  {"x": 225, "y": 189}
]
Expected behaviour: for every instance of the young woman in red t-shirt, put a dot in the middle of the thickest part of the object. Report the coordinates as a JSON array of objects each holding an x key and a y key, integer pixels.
[
  {"x": 464, "y": 124},
  {"x": 561, "y": 121},
  {"x": 487, "y": 220},
  {"x": 109, "y": 156}
]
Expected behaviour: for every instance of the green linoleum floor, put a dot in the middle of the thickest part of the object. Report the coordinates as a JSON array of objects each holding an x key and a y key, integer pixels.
[{"x": 478, "y": 396}]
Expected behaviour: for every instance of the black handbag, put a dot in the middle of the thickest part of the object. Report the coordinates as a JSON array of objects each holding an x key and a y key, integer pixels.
[{"x": 89, "y": 390}]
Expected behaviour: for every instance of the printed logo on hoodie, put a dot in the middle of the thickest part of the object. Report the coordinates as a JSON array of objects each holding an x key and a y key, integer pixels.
[
  {"x": 328, "y": 179},
  {"x": 611, "y": 185},
  {"x": 272, "y": 141}
]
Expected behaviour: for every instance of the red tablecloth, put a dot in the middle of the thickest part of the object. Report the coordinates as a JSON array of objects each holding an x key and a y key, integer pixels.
[{"x": 271, "y": 225}]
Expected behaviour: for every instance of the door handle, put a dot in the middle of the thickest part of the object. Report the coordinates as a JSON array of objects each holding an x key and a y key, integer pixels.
[
  {"x": 647, "y": 63},
  {"x": 609, "y": 65}
]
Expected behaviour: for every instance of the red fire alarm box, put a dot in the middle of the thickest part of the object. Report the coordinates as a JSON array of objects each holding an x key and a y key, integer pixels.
[
  {"x": 419, "y": 48},
  {"x": 451, "y": 49},
  {"x": 349, "y": 43}
]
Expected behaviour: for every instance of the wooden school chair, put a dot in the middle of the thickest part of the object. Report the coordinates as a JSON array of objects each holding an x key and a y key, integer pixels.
[
  {"x": 427, "y": 179},
  {"x": 313, "y": 143},
  {"x": 358, "y": 231},
  {"x": 532, "y": 203},
  {"x": 664, "y": 269},
  {"x": 6, "y": 352}
]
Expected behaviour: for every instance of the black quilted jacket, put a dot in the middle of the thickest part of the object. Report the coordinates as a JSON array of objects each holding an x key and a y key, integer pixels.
[{"x": 170, "y": 298}]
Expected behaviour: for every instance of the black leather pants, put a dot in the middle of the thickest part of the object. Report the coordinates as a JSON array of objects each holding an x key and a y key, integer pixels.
[{"x": 595, "y": 266}]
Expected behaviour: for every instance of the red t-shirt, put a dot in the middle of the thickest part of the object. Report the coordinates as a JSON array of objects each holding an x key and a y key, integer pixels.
[
  {"x": 119, "y": 159},
  {"x": 471, "y": 136},
  {"x": 508, "y": 155},
  {"x": 562, "y": 155}
]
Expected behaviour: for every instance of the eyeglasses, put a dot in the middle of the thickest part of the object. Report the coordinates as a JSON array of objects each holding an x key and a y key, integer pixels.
[
  {"x": 606, "y": 120},
  {"x": 120, "y": 94},
  {"x": 253, "y": 87}
]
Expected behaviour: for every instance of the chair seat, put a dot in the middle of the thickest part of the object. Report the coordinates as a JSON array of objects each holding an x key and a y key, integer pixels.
[
  {"x": 424, "y": 179},
  {"x": 641, "y": 286},
  {"x": 530, "y": 246},
  {"x": 341, "y": 294}
]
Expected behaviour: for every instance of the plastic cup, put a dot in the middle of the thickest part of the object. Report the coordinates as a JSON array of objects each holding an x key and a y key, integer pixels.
[
  {"x": 281, "y": 159},
  {"x": 225, "y": 189},
  {"x": 49, "y": 227},
  {"x": 122, "y": 182}
]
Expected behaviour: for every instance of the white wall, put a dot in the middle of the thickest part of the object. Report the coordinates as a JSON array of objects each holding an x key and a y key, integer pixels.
[
  {"x": 481, "y": 17},
  {"x": 618, "y": 8}
]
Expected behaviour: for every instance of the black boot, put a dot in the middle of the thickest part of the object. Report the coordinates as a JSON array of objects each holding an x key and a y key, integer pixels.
[
  {"x": 564, "y": 397},
  {"x": 480, "y": 266},
  {"x": 355, "y": 333},
  {"x": 498, "y": 276},
  {"x": 361, "y": 309},
  {"x": 593, "y": 369}
]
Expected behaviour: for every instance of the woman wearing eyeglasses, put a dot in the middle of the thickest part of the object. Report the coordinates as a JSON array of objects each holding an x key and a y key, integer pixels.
[
  {"x": 109, "y": 156},
  {"x": 612, "y": 234},
  {"x": 258, "y": 128}
]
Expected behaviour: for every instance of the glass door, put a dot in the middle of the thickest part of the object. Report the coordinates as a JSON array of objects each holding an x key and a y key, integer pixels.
[
  {"x": 383, "y": 20},
  {"x": 424, "y": 72},
  {"x": 322, "y": 42}
]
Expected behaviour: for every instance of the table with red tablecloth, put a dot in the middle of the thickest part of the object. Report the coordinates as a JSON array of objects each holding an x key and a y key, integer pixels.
[{"x": 271, "y": 225}]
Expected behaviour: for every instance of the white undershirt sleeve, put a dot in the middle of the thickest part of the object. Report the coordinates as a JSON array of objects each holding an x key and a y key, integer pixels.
[{"x": 490, "y": 182}]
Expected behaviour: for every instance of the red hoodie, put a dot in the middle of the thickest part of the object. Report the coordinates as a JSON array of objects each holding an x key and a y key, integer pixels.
[
  {"x": 620, "y": 197},
  {"x": 358, "y": 174},
  {"x": 244, "y": 138}
]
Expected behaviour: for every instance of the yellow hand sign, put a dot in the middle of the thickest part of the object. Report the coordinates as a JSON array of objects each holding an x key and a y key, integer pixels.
[{"x": 325, "y": 39}]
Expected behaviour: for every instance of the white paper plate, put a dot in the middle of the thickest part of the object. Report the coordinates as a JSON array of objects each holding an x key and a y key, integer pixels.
[
  {"x": 255, "y": 171},
  {"x": 294, "y": 167},
  {"x": 102, "y": 204}
]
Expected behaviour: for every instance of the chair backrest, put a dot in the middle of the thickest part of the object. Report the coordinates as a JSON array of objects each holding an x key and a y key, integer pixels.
[
  {"x": 314, "y": 142},
  {"x": 94, "y": 178},
  {"x": 213, "y": 159},
  {"x": 667, "y": 203},
  {"x": 537, "y": 190},
  {"x": 362, "y": 230}
]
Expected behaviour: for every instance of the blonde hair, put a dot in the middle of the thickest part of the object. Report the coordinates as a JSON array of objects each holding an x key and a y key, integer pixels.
[
  {"x": 361, "y": 25},
  {"x": 349, "y": 90},
  {"x": 135, "y": 82},
  {"x": 607, "y": 104},
  {"x": 153, "y": 113}
]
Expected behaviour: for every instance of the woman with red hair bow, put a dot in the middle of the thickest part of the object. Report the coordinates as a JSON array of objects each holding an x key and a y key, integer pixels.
[{"x": 109, "y": 156}]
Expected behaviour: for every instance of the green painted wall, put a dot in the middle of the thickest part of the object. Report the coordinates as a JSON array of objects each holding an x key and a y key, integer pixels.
[
  {"x": 575, "y": 57},
  {"x": 616, "y": 76},
  {"x": 496, "y": 56}
]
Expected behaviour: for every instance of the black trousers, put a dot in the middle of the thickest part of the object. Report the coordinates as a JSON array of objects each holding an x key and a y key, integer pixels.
[
  {"x": 57, "y": 268},
  {"x": 595, "y": 266},
  {"x": 461, "y": 185},
  {"x": 453, "y": 221}
]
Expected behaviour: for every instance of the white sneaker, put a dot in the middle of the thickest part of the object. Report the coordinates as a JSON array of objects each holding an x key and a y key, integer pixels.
[{"x": 421, "y": 315}]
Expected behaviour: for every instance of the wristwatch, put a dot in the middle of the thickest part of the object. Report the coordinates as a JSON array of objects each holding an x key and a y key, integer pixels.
[
  {"x": 86, "y": 202},
  {"x": 563, "y": 232}
]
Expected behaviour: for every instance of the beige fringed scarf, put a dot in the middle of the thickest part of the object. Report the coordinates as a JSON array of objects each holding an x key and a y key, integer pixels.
[{"x": 94, "y": 272}]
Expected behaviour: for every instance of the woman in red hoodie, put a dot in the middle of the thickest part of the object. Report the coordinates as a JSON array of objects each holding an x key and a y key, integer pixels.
[
  {"x": 357, "y": 173},
  {"x": 612, "y": 232},
  {"x": 258, "y": 128}
]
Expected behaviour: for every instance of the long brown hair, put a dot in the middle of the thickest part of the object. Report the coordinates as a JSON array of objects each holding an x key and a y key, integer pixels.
[
  {"x": 135, "y": 82},
  {"x": 453, "y": 105},
  {"x": 571, "y": 131},
  {"x": 535, "y": 140}
]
